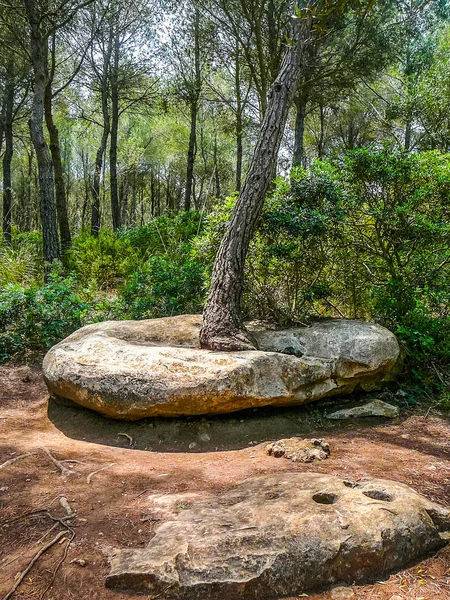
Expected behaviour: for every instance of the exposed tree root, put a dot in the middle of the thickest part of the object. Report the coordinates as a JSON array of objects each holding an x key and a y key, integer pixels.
[
  {"x": 32, "y": 562},
  {"x": 59, "y": 463},
  {"x": 129, "y": 438},
  {"x": 13, "y": 460},
  {"x": 91, "y": 475},
  {"x": 59, "y": 537}
]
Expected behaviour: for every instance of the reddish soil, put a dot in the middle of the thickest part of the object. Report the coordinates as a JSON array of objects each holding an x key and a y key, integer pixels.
[{"x": 195, "y": 455}]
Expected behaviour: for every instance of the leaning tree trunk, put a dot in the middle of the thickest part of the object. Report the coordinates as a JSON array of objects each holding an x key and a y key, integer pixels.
[
  {"x": 39, "y": 56},
  {"x": 222, "y": 320},
  {"x": 239, "y": 112},
  {"x": 7, "y": 157}
]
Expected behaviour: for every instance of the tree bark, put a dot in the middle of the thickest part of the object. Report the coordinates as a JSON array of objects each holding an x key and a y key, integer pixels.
[
  {"x": 2, "y": 120},
  {"x": 115, "y": 206},
  {"x": 95, "y": 212},
  {"x": 39, "y": 56},
  {"x": 301, "y": 101},
  {"x": 239, "y": 111},
  {"x": 321, "y": 141},
  {"x": 216, "y": 167},
  {"x": 7, "y": 157},
  {"x": 194, "y": 97},
  {"x": 222, "y": 319},
  {"x": 60, "y": 188}
]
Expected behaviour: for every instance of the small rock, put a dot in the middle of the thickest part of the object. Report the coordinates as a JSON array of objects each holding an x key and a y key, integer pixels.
[
  {"x": 342, "y": 593},
  {"x": 297, "y": 450},
  {"x": 192, "y": 445},
  {"x": 376, "y": 408},
  {"x": 79, "y": 561},
  {"x": 204, "y": 437}
]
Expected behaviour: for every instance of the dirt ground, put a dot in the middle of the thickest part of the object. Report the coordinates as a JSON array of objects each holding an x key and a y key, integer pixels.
[{"x": 117, "y": 466}]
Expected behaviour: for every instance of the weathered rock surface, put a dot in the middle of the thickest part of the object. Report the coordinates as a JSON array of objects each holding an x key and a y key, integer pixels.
[
  {"x": 281, "y": 535},
  {"x": 298, "y": 450},
  {"x": 376, "y": 408},
  {"x": 136, "y": 369}
]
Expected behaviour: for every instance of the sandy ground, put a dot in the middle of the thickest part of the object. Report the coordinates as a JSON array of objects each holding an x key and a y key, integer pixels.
[{"x": 117, "y": 466}]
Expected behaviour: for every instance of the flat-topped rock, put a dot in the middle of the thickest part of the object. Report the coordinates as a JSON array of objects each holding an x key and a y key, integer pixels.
[
  {"x": 281, "y": 535},
  {"x": 136, "y": 369}
]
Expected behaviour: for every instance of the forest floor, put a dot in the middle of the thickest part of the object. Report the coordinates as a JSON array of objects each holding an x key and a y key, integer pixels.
[{"x": 118, "y": 466}]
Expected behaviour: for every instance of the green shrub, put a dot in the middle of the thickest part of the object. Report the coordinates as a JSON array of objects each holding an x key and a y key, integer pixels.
[
  {"x": 20, "y": 261},
  {"x": 162, "y": 287},
  {"x": 163, "y": 235},
  {"x": 39, "y": 317},
  {"x": 102, "y": 262}
]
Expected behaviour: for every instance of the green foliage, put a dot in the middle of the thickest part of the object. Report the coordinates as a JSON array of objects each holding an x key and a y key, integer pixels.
[
  {"x": 102, "y": 261},
  {"x": 138, "y": 273},
  {"x": 19, "y": 261},
  {"x": 364, "y": 237},
  {"x": 38, "y": 317},
  {"x": 164, "y": 287},
  {"x": 164, "y": 235}
]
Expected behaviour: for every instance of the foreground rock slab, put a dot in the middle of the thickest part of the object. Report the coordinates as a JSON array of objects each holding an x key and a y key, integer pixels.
[
  {"x": 136, "y": 369},
  {"x": 377, "y": 408},
  {"x": 281, "y": 535}
]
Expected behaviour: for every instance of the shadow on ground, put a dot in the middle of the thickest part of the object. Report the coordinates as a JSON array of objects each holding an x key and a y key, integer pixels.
[{"x": 206, "y": 434}]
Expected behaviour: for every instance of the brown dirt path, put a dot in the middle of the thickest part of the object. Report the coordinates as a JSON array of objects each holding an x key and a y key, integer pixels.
[{"x": 113, "y": 510}]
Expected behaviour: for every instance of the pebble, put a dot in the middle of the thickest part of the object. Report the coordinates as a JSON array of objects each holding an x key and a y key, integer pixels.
[
  {"x": 342, "y": 593},
  {"x": 80, "y": 562},
  {"x": 204, "y": 437}
]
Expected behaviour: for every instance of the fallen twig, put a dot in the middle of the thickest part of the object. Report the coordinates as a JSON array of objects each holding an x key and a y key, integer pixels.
[
  {"x": 13, "y": 460},
  {"x": 129, "y": 438},
  {"x": 32, "y": 562},
  {"x": 89, "y": 477},
  {"x": 65, "y": 472}
]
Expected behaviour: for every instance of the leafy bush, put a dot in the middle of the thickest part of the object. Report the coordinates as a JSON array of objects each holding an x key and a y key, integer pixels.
[
  {"x": 20, "y": 261},
  {"x": 163, "y": 287},
  {"x": 38, "y": 317},
  {"x": 102, "y": 262},
  {"x": 163, "y": 235}
]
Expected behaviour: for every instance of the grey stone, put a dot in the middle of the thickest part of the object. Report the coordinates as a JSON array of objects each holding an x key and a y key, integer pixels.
[
  {"x": 136, "y": 369},
  {"x": 376, "y": 408},
  {"x": 281, "y": 535},
  {"x": 298, "y": 450}
]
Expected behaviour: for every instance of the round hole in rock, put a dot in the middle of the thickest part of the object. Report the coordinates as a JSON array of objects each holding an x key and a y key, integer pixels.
[
  {"x": 378, "y": 495},
  {"x": 324, "y": 498}
]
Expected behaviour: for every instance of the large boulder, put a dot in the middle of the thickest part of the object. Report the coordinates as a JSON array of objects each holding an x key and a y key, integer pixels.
[
  {"x": 135, "y": 369},
  {"x": 281, "y": 535}
]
